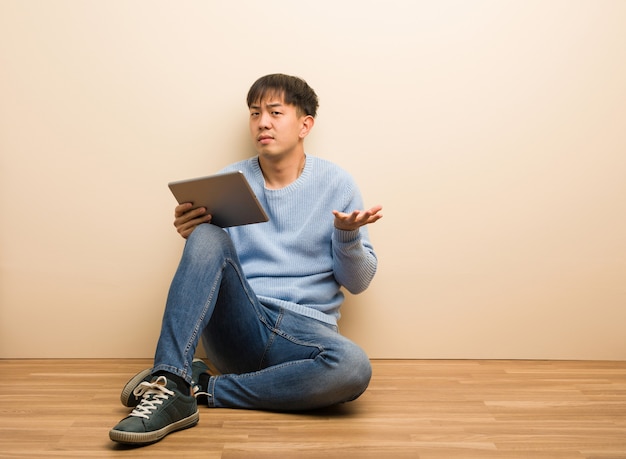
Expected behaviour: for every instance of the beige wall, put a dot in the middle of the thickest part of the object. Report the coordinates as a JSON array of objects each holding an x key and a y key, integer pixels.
[{"x": 493, "y": 132}]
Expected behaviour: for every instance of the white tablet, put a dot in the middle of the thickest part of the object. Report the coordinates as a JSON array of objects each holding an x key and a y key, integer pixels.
[{"x": 227, "y": 197}]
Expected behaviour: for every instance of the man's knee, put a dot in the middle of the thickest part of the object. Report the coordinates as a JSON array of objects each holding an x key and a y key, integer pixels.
[
  {"x": 356, "y": 371},
  {"x": 208, "y": 239},
  {"x": 206, "y": 231}
]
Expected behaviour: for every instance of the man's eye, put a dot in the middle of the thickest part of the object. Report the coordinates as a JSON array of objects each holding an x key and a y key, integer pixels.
[
  {"x": 254, "y": 113},
  {"x": 275, "y": 113}
]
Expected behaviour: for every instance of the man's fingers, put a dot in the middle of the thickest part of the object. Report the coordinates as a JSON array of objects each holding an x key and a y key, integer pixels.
[{"x": 186, "y": 218}]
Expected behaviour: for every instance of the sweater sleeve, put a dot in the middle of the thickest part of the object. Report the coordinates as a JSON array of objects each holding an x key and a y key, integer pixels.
[{"x": 354, "y": 260}]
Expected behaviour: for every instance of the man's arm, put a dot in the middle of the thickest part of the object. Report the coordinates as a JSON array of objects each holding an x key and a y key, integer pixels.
[{"x": 354, "y": 259}]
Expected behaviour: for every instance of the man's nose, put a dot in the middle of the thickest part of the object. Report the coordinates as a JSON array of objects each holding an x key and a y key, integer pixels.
[{"x": 264, "y": 120}]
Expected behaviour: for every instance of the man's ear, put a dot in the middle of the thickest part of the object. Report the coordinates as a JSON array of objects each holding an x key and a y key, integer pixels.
[{"x": 307, "y": 124}]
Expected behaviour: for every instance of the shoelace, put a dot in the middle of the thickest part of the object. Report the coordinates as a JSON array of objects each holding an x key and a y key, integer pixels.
[
  {"x": 152, "y": 394},
  {"x": 195, "y": 391}
]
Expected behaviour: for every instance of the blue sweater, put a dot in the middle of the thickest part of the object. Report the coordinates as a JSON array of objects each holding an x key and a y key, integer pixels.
[{"x": 298, "y": 259}]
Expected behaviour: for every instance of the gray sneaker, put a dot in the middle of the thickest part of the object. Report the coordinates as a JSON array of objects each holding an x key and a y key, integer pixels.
[
  {"x": 162, "y": 409},
  {"x": 200, "y": 374},
  {"x": 128, "y": 398}
]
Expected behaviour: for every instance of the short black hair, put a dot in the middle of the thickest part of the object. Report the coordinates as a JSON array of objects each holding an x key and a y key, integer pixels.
[{"x": 294, "y": 90}]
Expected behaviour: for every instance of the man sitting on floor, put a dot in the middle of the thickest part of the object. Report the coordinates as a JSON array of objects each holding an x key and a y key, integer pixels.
[{"x": 264, "y": 298}]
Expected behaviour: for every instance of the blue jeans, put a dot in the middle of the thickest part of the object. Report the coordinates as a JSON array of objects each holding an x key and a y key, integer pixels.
[{"x": 269, "y": 357}]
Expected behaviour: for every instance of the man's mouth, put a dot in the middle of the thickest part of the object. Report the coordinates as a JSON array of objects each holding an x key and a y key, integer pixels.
[{"x": 264, "y": 139}]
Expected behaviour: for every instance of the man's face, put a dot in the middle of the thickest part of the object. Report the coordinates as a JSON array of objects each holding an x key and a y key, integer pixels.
[{"x": 277, "y": 128}]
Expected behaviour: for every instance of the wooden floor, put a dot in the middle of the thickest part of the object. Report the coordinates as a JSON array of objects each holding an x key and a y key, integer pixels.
[{"x": 421, "y": 409}]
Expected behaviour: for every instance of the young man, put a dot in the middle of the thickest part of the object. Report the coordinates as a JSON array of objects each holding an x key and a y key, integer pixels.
[{"x": 264, "y": 298}]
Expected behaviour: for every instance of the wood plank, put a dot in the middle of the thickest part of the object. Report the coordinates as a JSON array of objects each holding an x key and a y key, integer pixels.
[{"x": 413, "y": 409}]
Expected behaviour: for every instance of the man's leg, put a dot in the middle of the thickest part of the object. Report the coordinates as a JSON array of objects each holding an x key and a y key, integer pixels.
[
  {"x": 209, "y": 268},
  {"x": 306, "y": 364}
]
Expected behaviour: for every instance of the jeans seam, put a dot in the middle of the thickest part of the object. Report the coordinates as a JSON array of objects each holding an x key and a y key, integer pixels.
[
  {"x": 277, "y": 331},
  {"x": 252, "y": 298},
  {"x": 195, "y": 335},
  {"x": 272, "y": 337},
  {"x": 211, "y": 391}
]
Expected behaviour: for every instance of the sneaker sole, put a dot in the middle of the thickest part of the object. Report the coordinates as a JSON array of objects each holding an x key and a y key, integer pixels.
[
  {"x": 145, "y": 438},
  {"x": 130, "y": 387}
]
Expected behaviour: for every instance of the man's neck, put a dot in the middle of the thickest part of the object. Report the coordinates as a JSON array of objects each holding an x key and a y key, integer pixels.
[{"x": 279, "y": 173}]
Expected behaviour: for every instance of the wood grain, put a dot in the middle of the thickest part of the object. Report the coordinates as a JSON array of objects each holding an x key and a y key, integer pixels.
[{"x": 425, "y": 409}]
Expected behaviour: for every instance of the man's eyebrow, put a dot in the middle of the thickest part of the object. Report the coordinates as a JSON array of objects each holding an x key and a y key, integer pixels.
[{"x": 272, "y": 105}]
